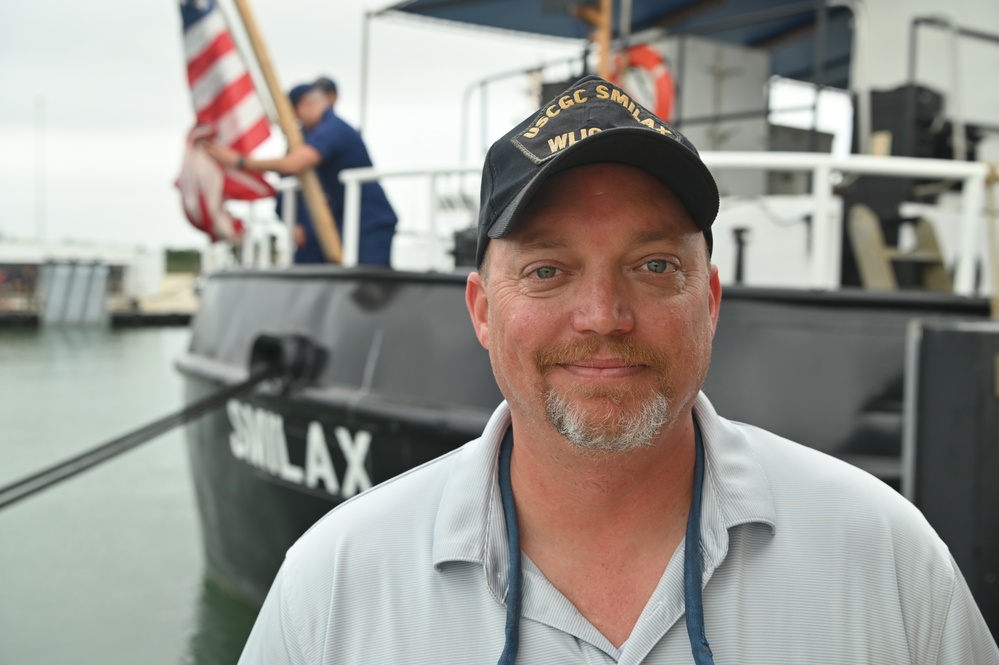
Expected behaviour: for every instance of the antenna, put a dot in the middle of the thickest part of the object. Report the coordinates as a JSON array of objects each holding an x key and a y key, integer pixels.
[{"x": 40, "y": 168}]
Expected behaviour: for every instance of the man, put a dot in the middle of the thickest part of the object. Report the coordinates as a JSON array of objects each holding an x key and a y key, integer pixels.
[
  {"x": 330, "y": 146},
  {"x": 608, "y": 514}
]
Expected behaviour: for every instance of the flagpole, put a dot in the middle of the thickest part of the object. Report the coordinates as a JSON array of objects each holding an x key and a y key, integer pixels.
[
  {"x": 601, "y": 18},
  {"x": 249, "y": 61},
  {"x": 315, "y": 199}
]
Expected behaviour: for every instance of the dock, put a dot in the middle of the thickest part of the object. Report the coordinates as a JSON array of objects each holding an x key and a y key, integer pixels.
[{"x": 174, "y": 305}]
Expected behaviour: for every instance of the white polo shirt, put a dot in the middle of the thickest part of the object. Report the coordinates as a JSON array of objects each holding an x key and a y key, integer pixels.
[{"x": 807, "y": 560}]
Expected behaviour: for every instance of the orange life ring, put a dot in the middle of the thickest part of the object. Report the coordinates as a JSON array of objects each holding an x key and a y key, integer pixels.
[{"x": 647, "y": 58}]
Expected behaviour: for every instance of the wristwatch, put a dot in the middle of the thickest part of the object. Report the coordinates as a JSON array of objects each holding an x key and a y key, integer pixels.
[{"x": 241, "y": 163}]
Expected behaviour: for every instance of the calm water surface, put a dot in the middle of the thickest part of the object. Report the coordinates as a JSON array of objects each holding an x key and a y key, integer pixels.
[{"x": 106, "y": 567}]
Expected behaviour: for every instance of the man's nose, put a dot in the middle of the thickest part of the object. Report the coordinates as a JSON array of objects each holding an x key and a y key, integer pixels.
[{"x": 603, "y": 306}]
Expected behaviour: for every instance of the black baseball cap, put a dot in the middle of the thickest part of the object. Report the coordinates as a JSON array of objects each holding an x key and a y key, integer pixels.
[{"x": 592, "y": 121}]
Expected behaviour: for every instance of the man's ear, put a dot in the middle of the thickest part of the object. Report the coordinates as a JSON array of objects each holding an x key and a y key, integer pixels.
[
  {"x": 716, "y": 295},
  {"x": 478, "y": 307}
]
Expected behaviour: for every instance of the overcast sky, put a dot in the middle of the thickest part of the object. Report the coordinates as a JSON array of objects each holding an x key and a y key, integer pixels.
[{"x": 96, "y": 104}]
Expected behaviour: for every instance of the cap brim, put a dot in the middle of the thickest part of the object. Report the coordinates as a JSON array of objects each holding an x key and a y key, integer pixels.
[{"x": 662, "y": 156}]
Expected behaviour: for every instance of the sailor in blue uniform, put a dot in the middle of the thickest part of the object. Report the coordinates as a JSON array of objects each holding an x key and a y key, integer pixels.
[{"x": 330, "y": 146}]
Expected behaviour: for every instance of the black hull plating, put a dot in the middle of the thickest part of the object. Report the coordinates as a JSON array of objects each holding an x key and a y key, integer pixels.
[
  {"x": 251, "y": 512},
  {"x": 407, "y": 381}
]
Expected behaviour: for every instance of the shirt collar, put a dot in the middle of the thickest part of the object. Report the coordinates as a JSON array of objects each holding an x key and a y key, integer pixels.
[
  {"x": 470, "y": 525},
  {"x": 736, "y": 488}
]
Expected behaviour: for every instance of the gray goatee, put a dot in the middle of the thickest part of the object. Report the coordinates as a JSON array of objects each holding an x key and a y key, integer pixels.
[{"x": 611, "y": 432}]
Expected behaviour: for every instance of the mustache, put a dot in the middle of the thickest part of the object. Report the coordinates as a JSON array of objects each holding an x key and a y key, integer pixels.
[{"x": 627, "y": 350}]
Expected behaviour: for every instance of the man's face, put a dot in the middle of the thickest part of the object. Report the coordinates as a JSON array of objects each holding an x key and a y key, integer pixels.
[{"x": 599, "y": 310}]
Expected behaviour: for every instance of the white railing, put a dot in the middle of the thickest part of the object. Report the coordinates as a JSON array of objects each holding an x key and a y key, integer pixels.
[
  {"x": 267, "y": 241},
  {"x": 354, "y": 178},
  {"x": 827, "y": 226},
  {"x": 828, "y": 230}
]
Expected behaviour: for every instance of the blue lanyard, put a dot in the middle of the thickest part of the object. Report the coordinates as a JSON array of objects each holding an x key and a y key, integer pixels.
[{"x": 692, "y": 560}]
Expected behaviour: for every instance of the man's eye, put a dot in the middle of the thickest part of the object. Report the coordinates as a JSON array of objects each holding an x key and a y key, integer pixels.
[
  {"x": 546, "y": 272},
  {"x": 658, "y": 265}
]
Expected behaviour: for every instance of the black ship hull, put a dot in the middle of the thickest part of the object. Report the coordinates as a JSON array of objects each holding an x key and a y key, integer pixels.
[{"x": 406, "y": 381}]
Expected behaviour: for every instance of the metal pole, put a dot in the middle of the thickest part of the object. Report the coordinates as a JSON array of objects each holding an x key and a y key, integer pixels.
[
  {"x": 958, "y": 138},
  {"x": 466, "y": 102},
  {"x": 483, "y": 129},
  {"x": 913, "y": 50},
  {"x": 859, "y": 79},
  {"x": 365, "y": 45},
  {"x": 40, "y": 168},
  {"x": 824, "y": 231},
  {"x": 992, "y": 239},
  {"x": 681, "y": 64},
  {"x": 624, "y": 24},
  {"x": 818, "y": 70},
  {"x": 910, "y": 406},
  {"x": 351, "y": 222},
  {"x": 973, "y": 197},
  {"x": 940, "y": 22}
]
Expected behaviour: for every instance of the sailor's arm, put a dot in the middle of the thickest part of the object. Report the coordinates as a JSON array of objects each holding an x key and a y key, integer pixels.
[{"x": 298, "y": 160}]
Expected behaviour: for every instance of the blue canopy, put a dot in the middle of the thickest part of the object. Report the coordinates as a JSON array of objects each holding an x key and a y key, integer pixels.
[{"x": 788, "y": 30}]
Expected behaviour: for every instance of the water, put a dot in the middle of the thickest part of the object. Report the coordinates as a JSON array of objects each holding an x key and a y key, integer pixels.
[{"x": 106, "y": 567}]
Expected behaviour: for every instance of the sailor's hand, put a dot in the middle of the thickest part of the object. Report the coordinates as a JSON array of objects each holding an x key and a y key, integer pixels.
[{"x": 224, "y": 155}]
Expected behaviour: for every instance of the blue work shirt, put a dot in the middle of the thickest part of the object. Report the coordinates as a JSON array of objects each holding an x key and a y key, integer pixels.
[{"x": 341, "y": 147}]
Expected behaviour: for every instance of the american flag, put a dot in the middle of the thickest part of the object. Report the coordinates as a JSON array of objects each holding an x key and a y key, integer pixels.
[{"x": 227, "y": 109}]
